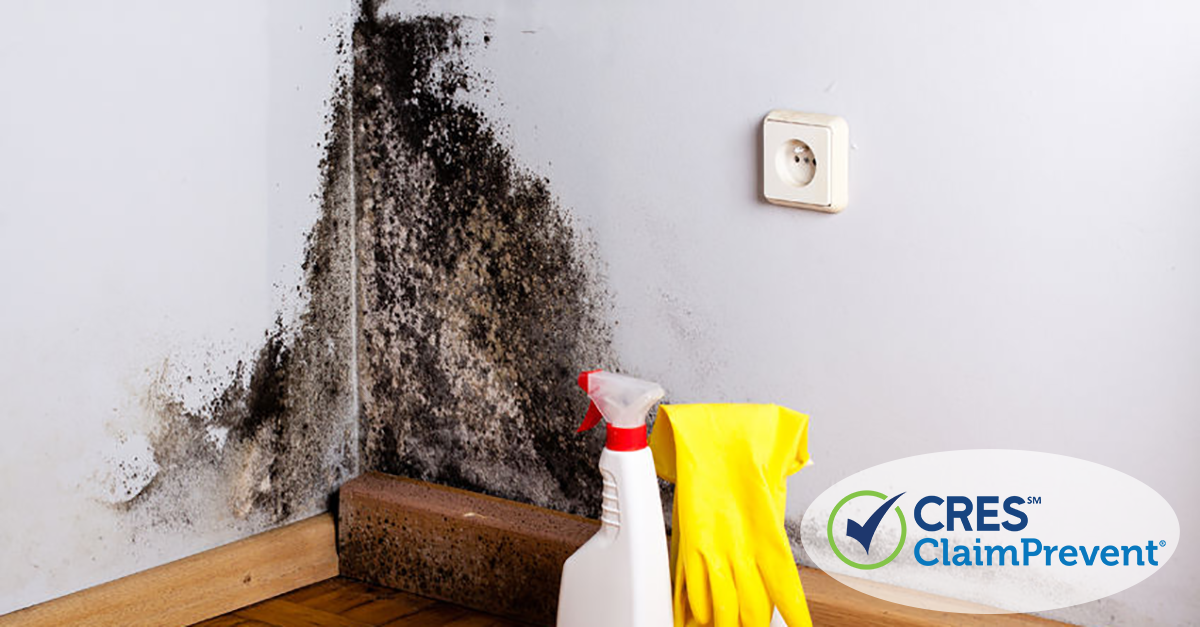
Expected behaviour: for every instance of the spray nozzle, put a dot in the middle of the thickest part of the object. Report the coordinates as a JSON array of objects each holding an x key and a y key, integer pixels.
[{"x": 622, "y": 401}]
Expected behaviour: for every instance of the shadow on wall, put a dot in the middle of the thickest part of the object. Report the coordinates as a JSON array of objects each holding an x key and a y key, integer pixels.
[{"x": 477, "y": 303}]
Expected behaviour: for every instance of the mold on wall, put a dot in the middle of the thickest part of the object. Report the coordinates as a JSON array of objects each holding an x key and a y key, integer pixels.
[
  {"x": 280, "y": 435},
  {"x": 479, "y": 300}
]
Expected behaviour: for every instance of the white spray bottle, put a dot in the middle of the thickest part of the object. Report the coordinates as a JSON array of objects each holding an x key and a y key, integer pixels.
[{"x": 621, "y": 577}]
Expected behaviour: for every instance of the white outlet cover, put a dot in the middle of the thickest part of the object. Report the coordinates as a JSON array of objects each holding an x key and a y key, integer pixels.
[{"x": 805, "y": 160}]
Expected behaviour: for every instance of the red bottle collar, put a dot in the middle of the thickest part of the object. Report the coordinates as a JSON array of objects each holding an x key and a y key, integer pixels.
[{"x": 618, "y": 439}]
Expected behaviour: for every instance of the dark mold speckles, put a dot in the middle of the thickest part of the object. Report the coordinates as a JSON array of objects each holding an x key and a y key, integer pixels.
[
  {"x": 280, "y": 437},
  {"x": 476, "y": 297},
  {"x": 476, "y": 306}
]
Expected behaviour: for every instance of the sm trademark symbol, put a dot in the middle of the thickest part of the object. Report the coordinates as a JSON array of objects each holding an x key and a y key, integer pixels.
[{"x": 1033, "y": 500}]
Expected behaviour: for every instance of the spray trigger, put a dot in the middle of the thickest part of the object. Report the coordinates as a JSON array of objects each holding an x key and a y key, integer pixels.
[
  {"x": 591, "y": 419},
  {"x": 593, "y": 412}
]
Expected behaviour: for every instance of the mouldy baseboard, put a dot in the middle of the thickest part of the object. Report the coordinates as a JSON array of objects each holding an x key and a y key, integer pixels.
[
  {"x": 473, "y": 550},
  {"x": 201, "y": 586}
]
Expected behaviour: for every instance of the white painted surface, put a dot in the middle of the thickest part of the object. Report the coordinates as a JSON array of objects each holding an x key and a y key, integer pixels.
[
  {"x": 1018, "y": 266},
  {"x": 157, "y": 163}
]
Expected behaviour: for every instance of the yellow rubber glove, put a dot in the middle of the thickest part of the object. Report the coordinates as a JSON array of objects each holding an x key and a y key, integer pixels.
[{"x": 731, "y": 561}]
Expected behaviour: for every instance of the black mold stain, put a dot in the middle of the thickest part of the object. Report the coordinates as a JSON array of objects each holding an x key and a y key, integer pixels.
[
  {"x": 287, "y": 417},
  {"x": 477, "y": 304}
]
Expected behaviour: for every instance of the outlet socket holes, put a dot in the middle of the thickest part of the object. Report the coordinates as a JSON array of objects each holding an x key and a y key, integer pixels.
[{"x": 796, "y": 163}]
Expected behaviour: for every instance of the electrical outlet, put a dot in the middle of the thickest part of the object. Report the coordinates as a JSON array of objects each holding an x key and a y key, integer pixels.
[{"x": 805, "y": 159}]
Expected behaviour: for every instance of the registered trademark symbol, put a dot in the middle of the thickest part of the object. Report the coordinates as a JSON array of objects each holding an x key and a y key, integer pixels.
[{"x": 1162, "y": 543}]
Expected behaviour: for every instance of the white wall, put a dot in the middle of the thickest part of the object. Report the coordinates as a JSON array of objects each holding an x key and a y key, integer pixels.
[
  {"x": 157, "y": 162},
  {"x": 1018, "y": 266}
]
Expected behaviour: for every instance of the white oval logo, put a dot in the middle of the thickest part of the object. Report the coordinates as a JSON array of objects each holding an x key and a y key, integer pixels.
[{"x": 990, "y": 531}]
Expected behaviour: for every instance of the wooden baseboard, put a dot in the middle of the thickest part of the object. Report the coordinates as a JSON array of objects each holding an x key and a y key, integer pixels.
[{"x": 200, "y": 586}]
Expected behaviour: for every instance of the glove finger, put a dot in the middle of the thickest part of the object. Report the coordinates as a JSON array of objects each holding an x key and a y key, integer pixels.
[
  {"x": 782, "y": 578},
  {"x": 754, "y": 606},
  {"x": 724, "y": 594},
  {"x": 695, "y": 585},
  {"x": 680, "y": 595}
]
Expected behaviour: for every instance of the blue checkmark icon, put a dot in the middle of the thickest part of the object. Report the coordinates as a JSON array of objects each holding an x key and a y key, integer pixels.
[{"x": 864, "y": 533}]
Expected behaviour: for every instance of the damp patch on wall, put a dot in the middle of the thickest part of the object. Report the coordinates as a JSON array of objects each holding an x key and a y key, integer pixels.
[
  {"x": 479, "y": 299},
  {"x": 279, "y": 435}
]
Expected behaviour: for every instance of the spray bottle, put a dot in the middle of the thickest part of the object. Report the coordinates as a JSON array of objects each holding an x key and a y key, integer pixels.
[{"x": 621, "y": 576}]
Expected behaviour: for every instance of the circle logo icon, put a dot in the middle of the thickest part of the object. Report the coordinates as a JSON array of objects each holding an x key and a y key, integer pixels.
[{"x": 863, "y": 533}]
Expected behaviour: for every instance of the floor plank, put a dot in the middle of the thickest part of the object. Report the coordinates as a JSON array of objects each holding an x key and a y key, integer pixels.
[
  {"x": 386, "y": 610},
  {"x": 316, "y": 589},
  {"x": 287, "y": 614},
  {"x": 342, "y": 602},
  {"x": 436, "y": 615}
]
